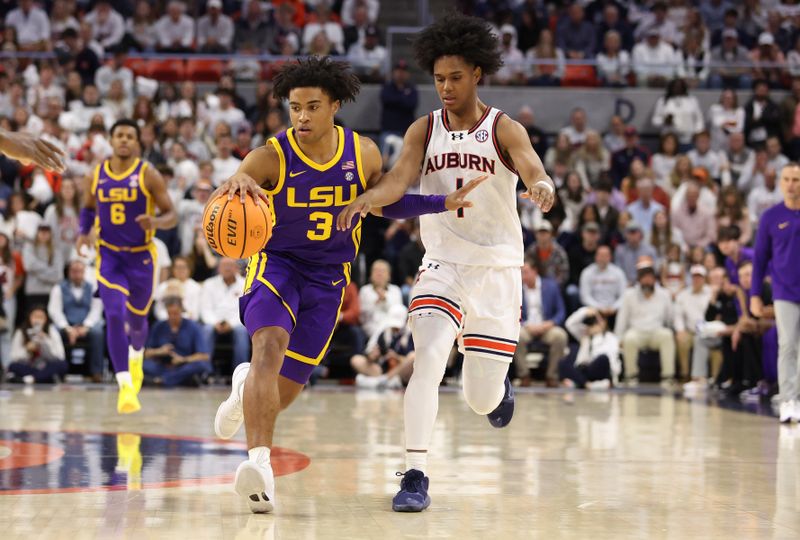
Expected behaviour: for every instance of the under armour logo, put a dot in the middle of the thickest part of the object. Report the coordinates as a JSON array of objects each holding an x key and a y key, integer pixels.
[
  {"x": 433, "y": 265},
  {"x": 457, "y": 136}
]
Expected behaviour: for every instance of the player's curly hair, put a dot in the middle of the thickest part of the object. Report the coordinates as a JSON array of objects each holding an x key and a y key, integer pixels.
[
  {"x": 456, "y": 34},
  {"x": 335, "y": 78}
]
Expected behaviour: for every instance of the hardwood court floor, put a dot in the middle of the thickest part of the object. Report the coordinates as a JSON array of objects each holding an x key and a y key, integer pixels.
[{"x": 587, "y": 465}]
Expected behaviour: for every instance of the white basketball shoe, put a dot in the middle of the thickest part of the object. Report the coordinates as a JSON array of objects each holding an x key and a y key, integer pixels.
[
  {"x": 787, "y": 411},
  {"x": 230, "y": 414},
  {"x": 256, "y": 484}
]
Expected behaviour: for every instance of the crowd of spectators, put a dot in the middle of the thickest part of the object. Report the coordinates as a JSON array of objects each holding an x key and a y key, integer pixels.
[{"x": 645, "y": 254}]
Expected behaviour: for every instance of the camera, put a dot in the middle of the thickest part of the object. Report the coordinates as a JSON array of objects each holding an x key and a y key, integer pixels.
[{"x": 590, "y": 320}]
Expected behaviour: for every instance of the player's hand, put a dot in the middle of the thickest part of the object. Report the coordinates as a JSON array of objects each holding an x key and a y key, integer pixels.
[
  {"x": 542, "y": 194},
  {"x": 146, "y": 221},
  {"x": 362, "y": 205},
  {"x": 756, "y": 306},
  {"x": 27, "y": 149},
  {"x": 457, "y": 199},
  {"x": 245, "y": 185},
  {"x": 82, "y": 244}
]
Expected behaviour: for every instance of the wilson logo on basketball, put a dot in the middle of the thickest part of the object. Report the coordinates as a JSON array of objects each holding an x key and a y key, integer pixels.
[{"x": 210, "y": 226}]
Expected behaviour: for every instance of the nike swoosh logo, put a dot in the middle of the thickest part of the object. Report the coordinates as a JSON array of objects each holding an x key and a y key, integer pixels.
[
  {"x": 783, "y": 225},
  {"x": 292, "y": 174},
  {"x": 145, "y": 261},
  {"x": 335, "y": 283}
]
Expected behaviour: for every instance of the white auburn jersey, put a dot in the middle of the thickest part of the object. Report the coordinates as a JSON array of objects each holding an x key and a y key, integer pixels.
[{"x": 489, "y": 233}]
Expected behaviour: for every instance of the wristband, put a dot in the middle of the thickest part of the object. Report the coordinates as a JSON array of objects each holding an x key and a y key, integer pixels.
[
  {"x": 415, "y": 205},
  {"x": 548, "y": 184},
  {"x": 86, "y": 220}
]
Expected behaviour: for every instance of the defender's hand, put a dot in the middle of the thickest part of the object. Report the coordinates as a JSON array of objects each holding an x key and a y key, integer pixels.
[
  {"x": 457, "y": 199},
  {"x": 27, "y": 149},
  {"x": 362, "y": 205},
  {"x": 245, "y": 185},
  {"x": 542, "y": 194}
]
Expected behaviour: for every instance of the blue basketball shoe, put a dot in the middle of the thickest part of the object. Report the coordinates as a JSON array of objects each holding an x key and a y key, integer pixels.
[
  {"x": 413, "y": 495},
  {"x": 501, "y": 416}
]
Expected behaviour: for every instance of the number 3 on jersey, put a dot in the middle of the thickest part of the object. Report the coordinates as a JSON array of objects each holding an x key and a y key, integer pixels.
[
  {"x": 117, "y": 213},
  {"x": 324, "y": 224}
]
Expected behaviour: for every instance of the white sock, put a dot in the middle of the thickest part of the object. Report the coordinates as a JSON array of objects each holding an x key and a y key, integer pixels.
[
  {"x": 133, "y": 353},
  {"x": 433, "y": 340},
  {"x": 259, "y": 454},
  {"x": 123, "y": 378},
  {"x": 417, "y": 460}
]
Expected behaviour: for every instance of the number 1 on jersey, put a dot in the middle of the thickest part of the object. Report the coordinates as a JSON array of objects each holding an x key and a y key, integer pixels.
[{"x": 459, "y": 185}]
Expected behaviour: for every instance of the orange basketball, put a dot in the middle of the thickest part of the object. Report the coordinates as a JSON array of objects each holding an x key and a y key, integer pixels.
[{"x": 234, "y": 229}]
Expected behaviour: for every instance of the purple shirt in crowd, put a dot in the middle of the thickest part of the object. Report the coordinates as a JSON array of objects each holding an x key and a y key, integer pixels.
[
  {"x": 778, "y": 242},
  {"x": 732, "y": 268}
]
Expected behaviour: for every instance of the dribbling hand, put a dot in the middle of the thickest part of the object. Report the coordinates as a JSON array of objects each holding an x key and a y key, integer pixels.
[
  {"x": 245, "y": 185},
  {"x": 542, "y": 194}
]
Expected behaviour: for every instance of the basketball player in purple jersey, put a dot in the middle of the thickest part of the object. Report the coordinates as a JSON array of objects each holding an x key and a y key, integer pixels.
[
  {"x": 295, "y": 286},
  {"x": 120, "y": 207},
  {"x": 469, "y": 283}
]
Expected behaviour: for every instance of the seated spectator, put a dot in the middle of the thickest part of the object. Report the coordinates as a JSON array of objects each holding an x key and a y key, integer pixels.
[
  {"x": 113, "y": 71},
  {"x": 763, "y": 197},
  {"x": 592, "y": 160},
  {"x": 695, "y": 60},
  {"x": 595, "y": 364},
  {"x": 78, "y": 315},
  {"x": 225, "y": 163},
  {"x": 512, "y": 70},
  {"x": 656, "y": 21},
  {"x": 663, "y": 162},
  {"x": 767, "y": 52},
  {"x": 253, "y": 27},
  {"x": 741, "y": 161},
  {"x": 225, "y": 112},
  {"x": 664, "y": 236},
  {"x": 175, "y": 30},
  {"x": 621, "y": 159},
  {"x": 369, "y": 58},
  {"x": 644, "y": 321},
  {"x": 542, "y": 317},
  {"x": 324, "y": 20},
  {"x": 730, "y": 24},
  {"x": 182, "y": 286},
  {"x": 141, "y": 32},
  {"x": 577, "y": 130},
  {"x": 729, "y": 58},
  {"x": 645, "y": 207},
  {"x": 627, "y": 255},
  {"x": 219, "y": 309},
  {"x": 602, "y": 284},
  {"x": 788, "y": 111},
  {"x": 320, "y": 45},
  {"x": 679, "y": 113},
  {"x": 176, "y": 353},
  {"x": 614, "y": 138},
  {"x": 377, "y": 297},
  {"x": 31, "y": 26},
  {"x": 581, "y": 254},
  {"x": 695, "y": 221},
  {"x": 561, "y": 152},
  {"x": 388, "y": 358},
  {"x": 399, "y": 99},
  {"x": 731, "y": 247},
  {"x": 108, "y": 26},
  {"x": 775, "y": 158},
  {"x": 351, "y": 8},
  {"x": 546, "y": 74},
  {"x": 214, "y": 29},
  {"x": 37, "y": 353},
  {"x": 62, "y": 216},
  {"x": 731, "y": 210},
  {"x": 61, "y": 18},
  {"x": 117, "y": 102},
  {"x": 725, "y": 118},
  {"x": 552, "y": 259},
  {"x": 613, "y": 22},
  {"x": 44, "y": 267},
  {"x": 715, "y": 162},
  {"x": 573, "y": 198},
  {"x": 690, "y": 309},
  {"x": 761, "y": 116},
  {"x": 575, "y": 35},
  {"x": 654, "y": 60},
  {"x": 613, "y": 62},
  {"x": 793, "y": 59}
]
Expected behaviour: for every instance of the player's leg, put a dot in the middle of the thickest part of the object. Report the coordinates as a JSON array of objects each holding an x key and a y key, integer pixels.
[
  {"x": 484, "y": 382},
  {"x": 787, "y": 319},
  {"x": 114, "y": 308},
  {"x": 142, "y": 275}
]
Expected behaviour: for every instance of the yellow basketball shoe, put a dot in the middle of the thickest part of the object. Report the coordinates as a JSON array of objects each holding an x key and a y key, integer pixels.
[
  {"x": 128, "y": 401},
  {"x": 135, "y": 366}
]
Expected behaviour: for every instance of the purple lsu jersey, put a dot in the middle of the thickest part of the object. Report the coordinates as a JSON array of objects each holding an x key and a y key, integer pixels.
[
  {"x": 308, "y": 198},
  {"x": 120, "y": 198}
]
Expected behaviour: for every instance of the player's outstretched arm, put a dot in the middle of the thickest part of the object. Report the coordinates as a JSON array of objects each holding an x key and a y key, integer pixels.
[
  {"x": 158, "y": 189},
  {"x": 516, "y": 142},
  {"x": 389, "y": 187},
  {"x": 26, "y": 148},
  {"x": 258, "y": 170}
]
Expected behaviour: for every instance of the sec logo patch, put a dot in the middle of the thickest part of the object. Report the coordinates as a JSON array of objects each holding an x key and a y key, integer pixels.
[{"x": 482, "y": 135}]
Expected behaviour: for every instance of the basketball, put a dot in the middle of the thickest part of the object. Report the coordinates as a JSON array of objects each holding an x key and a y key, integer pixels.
[{"x": 236, "y": 230}]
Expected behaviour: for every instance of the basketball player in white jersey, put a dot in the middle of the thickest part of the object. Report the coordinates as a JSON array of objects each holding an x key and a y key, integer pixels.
[{"x": 469, "y": 283}]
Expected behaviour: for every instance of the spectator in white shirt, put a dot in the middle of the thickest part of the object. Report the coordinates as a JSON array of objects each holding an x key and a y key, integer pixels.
[
  {"x": 690, "y": 310},
  {"x": 175, "y": 31},
  {"x": 596, "y": 363},
  {"x": 724, "y": 119},
  {"x": 115, "y": 70},
  {"x": 225, "y": 111},
  {"x": 215, "y": 29},
  {"x": 225, "y": 164},
  {"x": 141, "y": 28},
  {"x": 741, "y": 160},
  {"x": 577, "y": 129},
  {"x": 47, "y": 87},
  {"x": 694, "y": 66},
  {"x": 219, "y": 309},
  {"x": 108, "y": 26},
  {"x": 657, "y": 21},
  {"x": 324, "y": 22},
  {"x": 713, "y": 161},
  {"x": 184, "y": 287},
  {"x": 512, "y": 71},
  {"x": 613, "y": 62},
  {"x": 377, "y": 297},
  {"x": 61, "y": 18},
  {"x": 31, "y": 26},
  {"x": 763, "y": 196},
  {"x": 190, "y": 213},
  {"x": 603, "y": 283},
  {"x": 349, "y": 7},
  {"x": 654, "y": 61},
  {"x": 369, "y": 57},
  {"x": 78, "y": 316},
  {"x": 644, "y": 320},
  {"x": 775, "y": 157},
  {"x": 678, "y": 112}
]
